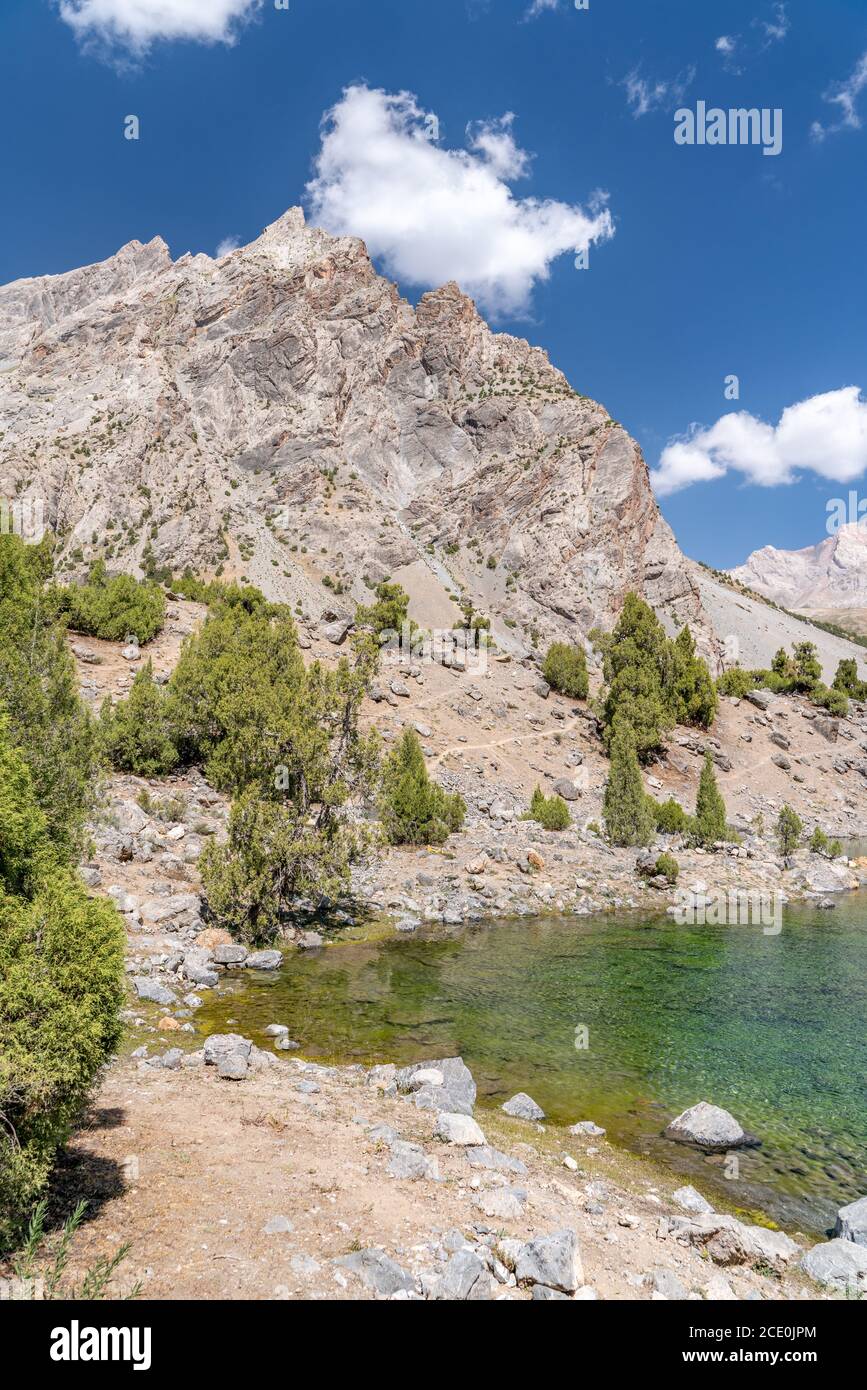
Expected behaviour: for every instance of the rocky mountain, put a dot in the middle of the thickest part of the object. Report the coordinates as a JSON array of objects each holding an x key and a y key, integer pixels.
[
  {"x": 829, "y": 576},
  {"x": 282, "y": 413}
]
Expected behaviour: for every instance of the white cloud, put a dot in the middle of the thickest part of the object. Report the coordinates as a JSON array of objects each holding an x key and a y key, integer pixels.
[
  {"x": 434, "y": 214},
  {"x": 644, "y": 96},
  {"x": 777, "y": 28},
  {"x": 541, "y": 7},
  {"x": 727, "y": 47},
  {"x": 226, "y": 246},
  {"x": 136, "y": 24},
  {"x": 844, "y": 95},
  {"x": 825, "y": 434}
]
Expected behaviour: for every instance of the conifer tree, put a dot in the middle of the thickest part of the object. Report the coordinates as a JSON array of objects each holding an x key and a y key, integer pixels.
[
  {"x": 710, "y": 810},
  {"x": 629, "y": 816}
]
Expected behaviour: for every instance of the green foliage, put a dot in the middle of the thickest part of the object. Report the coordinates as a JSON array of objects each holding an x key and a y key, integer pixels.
[
  {"x": 413, "y": 809},
  {"x": 836, "y": 702},
  {"x": 807, "y": 670},
  {"x": 737, "y": 682},
  {"x": 29, "y": 1263},
  {"x": 848, "y": 681},
  {"x": 61, "y": 964},
  {"x": 390, "y": 611},
  {"x": 821, "y": 844},
  {"x": 650, "y": 681},
  {"x": 551, "y": 812},
  {"x": 114, "y": 608},
  {"x": 135, "y": 734},
  {"x": 565, "y": 669},
  {"x": 668, "y": 867},
  {"x": 710, "y": 812},
  {"x": 694, "y": 694},
  {"x": 671, "y": 818},
  {"x": 38, "y": 691},
  {"x": 628, "y": 817},
  {"x": 284, "y": 739},
  {"x": 273, "y": 856},
  {"x": 789, "y": 830}
]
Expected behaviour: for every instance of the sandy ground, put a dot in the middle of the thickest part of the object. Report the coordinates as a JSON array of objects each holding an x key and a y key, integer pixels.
[{"x": 190, "y": 1169}]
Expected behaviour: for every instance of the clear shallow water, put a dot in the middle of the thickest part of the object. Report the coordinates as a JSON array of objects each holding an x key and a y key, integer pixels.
[{"x": 772, "y": 1028}]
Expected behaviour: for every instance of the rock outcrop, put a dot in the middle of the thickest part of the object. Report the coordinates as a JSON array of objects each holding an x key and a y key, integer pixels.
[
  {"x": 832, "y": 574},
  {"x": 282, "y": 412}
]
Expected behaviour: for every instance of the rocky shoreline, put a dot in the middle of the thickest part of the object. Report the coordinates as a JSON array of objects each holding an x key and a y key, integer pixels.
[{"x": 299, "y": 1180}]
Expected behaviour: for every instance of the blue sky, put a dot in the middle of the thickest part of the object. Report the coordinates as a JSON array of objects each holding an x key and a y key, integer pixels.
[{"x": 722, "y": 260}]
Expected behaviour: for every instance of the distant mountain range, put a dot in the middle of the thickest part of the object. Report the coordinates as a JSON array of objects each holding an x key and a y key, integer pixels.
[{"x": 829, "y": 576}]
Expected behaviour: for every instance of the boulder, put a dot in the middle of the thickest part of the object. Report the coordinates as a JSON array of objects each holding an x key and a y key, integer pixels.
[
  {"x": 502, "y": 1204},
  {"x": 464, "y": 1279},
  {"x": 458, "y": 1129},
  {"x": 553, "y": 1260},
  {"x": 852, "y": 1222},
  {"x": 225, "y": 1045},
  {"x": 838, "y": 1264},
  {"x": 335, "y": 632},
  {"x": 483, "y": 1156},
  {"x": 566, "y": 788},
  {"x": 456, "y": 1094},
  {"x": 762, "y": 699},
  {"x": 523, "y": 1107},
  {"x": 377, "y": 1272},
  {"x": 709, "y": 1127},
  {"x": 692, "y": 1201},
  {"x": 264, "y": 960},
  {"x": 146, "y": 988},
  {"x": 230, "y": 955}
]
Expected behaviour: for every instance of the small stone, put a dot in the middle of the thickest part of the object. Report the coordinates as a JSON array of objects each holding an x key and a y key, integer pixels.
[{"x": 278, "y": 1225}]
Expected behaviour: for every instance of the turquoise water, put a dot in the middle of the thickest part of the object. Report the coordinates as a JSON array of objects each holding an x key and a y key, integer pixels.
[{"x": 773, "y": 1028}]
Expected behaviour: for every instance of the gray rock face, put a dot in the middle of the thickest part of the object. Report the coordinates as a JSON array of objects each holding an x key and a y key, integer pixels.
[
  {"x": 553, "y": 1260},
  {"x": 457, "y": 1094},
  {"x": 378, "y": 1272},
  {"x": 464, "y": 1278},
  {"x": 852, "y": 1222},
  {"x": 708, "y": 1127},
  {"x": 838, "y": 1264},
  {"x": 832, "y": 574},
  {"x": 273, "y": 368},
  {"x": 523, "y": 1107}
]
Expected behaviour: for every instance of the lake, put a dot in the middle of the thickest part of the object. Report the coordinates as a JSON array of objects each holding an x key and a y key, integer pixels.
[{"x": 773, "y": 1028}]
